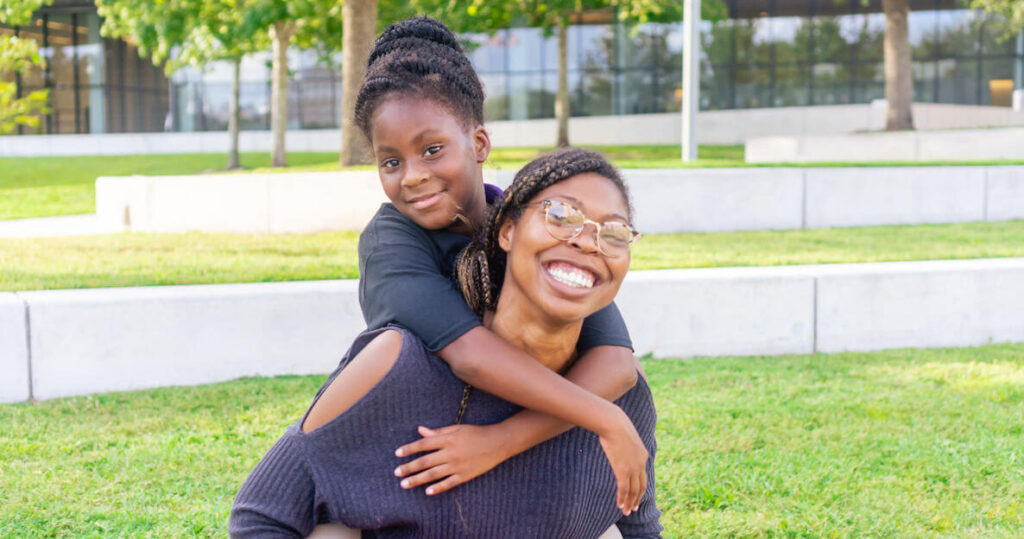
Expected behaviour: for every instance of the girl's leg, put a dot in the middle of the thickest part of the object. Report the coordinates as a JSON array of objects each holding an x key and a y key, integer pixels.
[{"x": 611, "y": 533}]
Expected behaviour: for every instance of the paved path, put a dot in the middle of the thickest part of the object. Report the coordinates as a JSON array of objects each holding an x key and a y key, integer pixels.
[{"x": 67, "y": 225}]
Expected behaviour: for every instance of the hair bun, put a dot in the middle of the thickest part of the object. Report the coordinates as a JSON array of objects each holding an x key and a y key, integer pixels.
[{"x": 404, "y": 34}]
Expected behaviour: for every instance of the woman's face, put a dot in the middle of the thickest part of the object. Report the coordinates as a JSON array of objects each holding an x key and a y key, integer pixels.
[
  {"x": 429, "y": 164},
  {"x": 566, "y": 280}
]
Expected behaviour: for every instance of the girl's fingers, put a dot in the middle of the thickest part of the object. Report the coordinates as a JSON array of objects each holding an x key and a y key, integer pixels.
[
  {"x": 428, "y": 476},
  {"x": 623, "y": 492},
  {"x": 641, "y": 490},
  {"x": 634, "y": 486},
  {"x": 426, "y": 461},
  {"x": 431, "y": 443},
  {"x": 449, "y": 483}
]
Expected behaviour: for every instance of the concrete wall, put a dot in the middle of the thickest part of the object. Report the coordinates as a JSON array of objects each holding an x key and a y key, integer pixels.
[
  {"x": 954, "y": 145},
  {"x": 14, "y": 361},
  {"x": 713, "y": 127},
  {"x": 88, "y": 341},
  {"x": 666, "y": 200}
]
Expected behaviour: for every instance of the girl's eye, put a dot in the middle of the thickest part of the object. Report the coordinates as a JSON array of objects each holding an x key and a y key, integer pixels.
[
  {"x": 389, "y": 163},
  {"x": 433, "y": 149}
]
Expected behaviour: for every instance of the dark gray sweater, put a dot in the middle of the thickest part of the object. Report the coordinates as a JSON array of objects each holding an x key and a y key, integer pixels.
[{"x": 344, "y": 471}]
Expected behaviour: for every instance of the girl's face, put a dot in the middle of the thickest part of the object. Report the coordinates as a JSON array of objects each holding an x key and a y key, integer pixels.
[
  {"x": 429, "y": 163},
  {"x": 565, "y": 280}
]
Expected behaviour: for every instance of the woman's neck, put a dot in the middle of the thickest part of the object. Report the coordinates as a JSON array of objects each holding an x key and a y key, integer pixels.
[{"x": 552, "y": 344}]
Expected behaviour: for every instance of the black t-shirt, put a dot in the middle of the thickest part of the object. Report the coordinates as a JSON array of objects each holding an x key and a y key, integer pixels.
[{"x": 406, "y": 277}]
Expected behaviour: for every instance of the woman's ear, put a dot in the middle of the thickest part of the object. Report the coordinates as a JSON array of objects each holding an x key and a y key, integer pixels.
[
  {"x": 505, "y": 234},
  {"x": 481, "y": 144}
]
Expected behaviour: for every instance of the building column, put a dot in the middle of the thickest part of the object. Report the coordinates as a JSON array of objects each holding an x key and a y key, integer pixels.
[{"x": 97, "y": 111}]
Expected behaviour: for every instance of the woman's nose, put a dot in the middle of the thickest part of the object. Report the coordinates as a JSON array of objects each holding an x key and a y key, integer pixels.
[{"x": 586, "y": 240}]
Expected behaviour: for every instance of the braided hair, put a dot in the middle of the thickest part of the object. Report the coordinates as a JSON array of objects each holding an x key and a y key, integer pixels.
[
  {"x": 420, "y": 57},
  {"x": 480, "y": 267}
]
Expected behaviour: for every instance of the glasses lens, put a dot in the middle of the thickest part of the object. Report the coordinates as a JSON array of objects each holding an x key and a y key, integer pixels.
[
  {"x": 615, "y": 238},
  {"x": 563, "y": 221}
]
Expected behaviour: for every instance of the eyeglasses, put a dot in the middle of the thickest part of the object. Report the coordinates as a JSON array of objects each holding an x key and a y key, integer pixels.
[{"x": 564, "y": 222}]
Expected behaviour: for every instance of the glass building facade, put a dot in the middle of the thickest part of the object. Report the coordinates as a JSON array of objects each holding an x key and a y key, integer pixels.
[
  {"x": 767, "y": 53},
  {"x": 96, "y": 85}
]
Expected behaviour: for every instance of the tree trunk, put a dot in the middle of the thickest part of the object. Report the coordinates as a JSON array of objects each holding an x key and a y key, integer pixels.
[
  {"x": 234, "y": 115},
  {"x": 359, "y": 25},
  {"x": 899, "y": 76},
  {"x": 562, "y": 98},
  {"x": 280, "y": 35}
]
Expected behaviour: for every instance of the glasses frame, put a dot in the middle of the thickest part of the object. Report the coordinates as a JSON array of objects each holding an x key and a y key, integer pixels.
[{"x": 548, "y": 204}]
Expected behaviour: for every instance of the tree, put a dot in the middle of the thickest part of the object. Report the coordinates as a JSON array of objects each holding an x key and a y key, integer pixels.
[
  {"x": 187, "y": 32},
  {"x": 899, "y": 76},
  {"x": 17, "y": 55},
  {"x": 360, "y": 20}
]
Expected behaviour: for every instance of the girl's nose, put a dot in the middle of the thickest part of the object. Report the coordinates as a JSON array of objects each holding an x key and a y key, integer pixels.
[{"x": 415, "y": 175}]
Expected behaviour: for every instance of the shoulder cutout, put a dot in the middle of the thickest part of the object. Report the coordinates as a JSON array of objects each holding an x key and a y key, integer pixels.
[{"x": 363, "y": 372}]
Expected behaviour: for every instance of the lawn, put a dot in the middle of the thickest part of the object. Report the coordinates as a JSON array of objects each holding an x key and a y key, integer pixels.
[
  {"x": 194, "y": 258},
  {"x": 905, "y": 443},
  {"x": 45, "y": 186}
]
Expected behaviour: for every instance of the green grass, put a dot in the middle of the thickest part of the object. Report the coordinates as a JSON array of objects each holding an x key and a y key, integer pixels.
[
  {"x": 905, "y": 443},
  {"x": 46, "y": 186},
  {"x": 194, "y": 258}
]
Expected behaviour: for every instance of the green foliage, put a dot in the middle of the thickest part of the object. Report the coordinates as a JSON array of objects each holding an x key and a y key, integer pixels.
[
  {"x": 19, "y": 12},
  {"x": 200, "y": 31},
  {"x": 17, "y": 55},
  {"x": 1012, "y": 12}
]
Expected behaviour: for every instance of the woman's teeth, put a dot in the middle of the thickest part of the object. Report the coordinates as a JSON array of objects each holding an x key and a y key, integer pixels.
[{"x": 570, "y": 276}]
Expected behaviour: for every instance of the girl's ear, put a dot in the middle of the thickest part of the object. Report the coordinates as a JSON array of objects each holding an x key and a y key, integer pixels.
[
  {"x": 505, "y": 235},
  {"x": 481, "y": 144}
]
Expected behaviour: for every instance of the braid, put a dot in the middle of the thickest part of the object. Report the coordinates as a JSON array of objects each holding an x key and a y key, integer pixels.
[
  {"x": 480, "y": 267},
  {"x": 420, "y": 57}
]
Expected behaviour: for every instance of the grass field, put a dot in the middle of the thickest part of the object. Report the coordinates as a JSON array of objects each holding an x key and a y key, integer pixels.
[
  {"x": 46, "y": 186},
  {"x": 162, "y": 259},
  {"x": 906, "y": 443}
]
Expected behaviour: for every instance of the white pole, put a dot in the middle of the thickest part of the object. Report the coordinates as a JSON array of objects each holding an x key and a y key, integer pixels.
[{"x": 691, "y": 77}]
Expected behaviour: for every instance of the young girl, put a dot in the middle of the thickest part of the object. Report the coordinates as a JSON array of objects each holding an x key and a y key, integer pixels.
[{"x": 421, "y": 108}]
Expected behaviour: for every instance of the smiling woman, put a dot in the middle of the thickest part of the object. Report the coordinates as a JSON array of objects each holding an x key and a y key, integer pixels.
[{"x": 335, "y": 466}]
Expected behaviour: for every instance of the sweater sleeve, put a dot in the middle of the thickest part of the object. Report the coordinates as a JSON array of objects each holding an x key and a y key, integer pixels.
[{"x": 277, "y": 498}]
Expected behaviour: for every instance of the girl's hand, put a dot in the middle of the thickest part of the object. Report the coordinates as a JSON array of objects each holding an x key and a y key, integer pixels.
[
  {"x": 628, "y": 457},
  {"x": 457, "y": 454}
]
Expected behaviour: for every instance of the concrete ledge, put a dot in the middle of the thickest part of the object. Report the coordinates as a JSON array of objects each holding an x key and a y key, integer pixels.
[
  {"x": 666, "y": 200},
  {"x": 948, "y": 303},
  {"x": 87, "y": 341},
  {"x": 957, "y": 145},
  {"x": 14, "y": 360},
  {"x": 714, "y": 312},
  {"x": 1004, "y": 189},
  {"x": 839, "y": 197}
]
